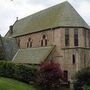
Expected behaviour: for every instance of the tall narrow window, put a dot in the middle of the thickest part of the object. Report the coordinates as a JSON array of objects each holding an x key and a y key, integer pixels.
[
  {"x": 75, "y": 37},
  {"x": 65, "y": 75},
  {"x": 41, "y": 42},
  {"x": 29, "y": 43},
  {"x": 44, "y": 40},
  {"x": 84, "y": 60},
  {"x": 73, "y": 59},
  {"x": 84, "y": 32},
  {"x": 66, "y": 37},
  {"x": 18, "y": 42}
]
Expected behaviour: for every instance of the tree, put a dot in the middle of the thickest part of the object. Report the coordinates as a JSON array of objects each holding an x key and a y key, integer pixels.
[
  {"x": 50, "y": 75},
  {"x": 82, "y": 78}
]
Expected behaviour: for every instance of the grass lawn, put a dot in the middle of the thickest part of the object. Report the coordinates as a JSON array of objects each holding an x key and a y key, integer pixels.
[{"x": 9, "y": 84}]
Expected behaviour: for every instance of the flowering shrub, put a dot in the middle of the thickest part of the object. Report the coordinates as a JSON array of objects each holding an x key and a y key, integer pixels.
[{"x": 49, "y": 75}]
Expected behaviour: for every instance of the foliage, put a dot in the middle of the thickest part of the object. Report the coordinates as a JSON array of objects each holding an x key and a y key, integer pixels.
[
  {"x": 10, "y": 84},
  {"x": 7, "y": 69},
  {"x": 18, "y": 71},
  {"x": 82, "y": 78},
  {"x": 1, "y": 53},
  {"x": 25, "y": 73},
  {"x": 86, "y": 87},
  {"x": 50, "y": 75}
]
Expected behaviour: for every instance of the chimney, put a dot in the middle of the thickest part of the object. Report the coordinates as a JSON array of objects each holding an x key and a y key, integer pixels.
[{"x": 11, "y": 29}]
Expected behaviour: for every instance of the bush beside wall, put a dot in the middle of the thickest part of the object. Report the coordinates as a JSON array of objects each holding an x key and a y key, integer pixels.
[{"x": 20, "y": 72}]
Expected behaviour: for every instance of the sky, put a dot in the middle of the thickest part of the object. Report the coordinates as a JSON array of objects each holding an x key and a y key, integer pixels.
[{"x": 11, "y": 9}]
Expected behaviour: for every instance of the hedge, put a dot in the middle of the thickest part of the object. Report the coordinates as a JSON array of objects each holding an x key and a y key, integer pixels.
[{"x": 20, "y": 72}]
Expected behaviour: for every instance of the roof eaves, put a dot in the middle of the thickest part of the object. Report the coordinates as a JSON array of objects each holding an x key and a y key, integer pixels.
[{"x": 50, "y": 29}]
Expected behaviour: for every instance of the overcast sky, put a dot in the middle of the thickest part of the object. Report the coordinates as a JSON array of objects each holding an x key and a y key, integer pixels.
[{"x": 10, "y": 9}]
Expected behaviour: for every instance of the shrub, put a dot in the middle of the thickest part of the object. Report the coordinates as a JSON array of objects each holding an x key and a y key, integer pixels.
[
  {"x": 50, "y": 75},
  {"x": 7, "y": 69},
  {"x": 82, "y": 78},
  {"x": 25, "y": 73},
  {"x": 18, "y": 71}
]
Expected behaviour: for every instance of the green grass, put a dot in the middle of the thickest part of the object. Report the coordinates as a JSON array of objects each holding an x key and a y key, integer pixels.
[{"x": 9, "y": 84}]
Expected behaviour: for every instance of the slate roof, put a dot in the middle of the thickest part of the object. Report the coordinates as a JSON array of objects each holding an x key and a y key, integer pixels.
[
  {"x": 59, "y": 15},
  {"x": 32, "y": 55}
]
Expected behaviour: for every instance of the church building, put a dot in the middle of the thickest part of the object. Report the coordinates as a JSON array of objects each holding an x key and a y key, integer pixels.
[{"x": 57, "y": 33}]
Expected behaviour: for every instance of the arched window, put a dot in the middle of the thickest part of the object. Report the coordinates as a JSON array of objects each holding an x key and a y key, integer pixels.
[
  {"x": 44, "y": 40},
  {"x": 29, "y": 43},
  {"x": 44, "y": 36}
]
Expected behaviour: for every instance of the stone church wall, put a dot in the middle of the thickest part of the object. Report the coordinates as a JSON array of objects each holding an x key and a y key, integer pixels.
[{"x": 63, "y": 54}]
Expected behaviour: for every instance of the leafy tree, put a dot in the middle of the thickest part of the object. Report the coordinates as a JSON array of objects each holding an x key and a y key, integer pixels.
[{"x": 50, "y": 75}]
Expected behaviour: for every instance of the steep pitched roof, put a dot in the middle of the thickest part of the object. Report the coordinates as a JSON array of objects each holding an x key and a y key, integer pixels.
[
  {"x": 32, "y": 55},
  {"x": 59, "y": 15}
]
